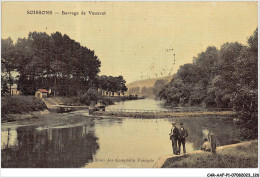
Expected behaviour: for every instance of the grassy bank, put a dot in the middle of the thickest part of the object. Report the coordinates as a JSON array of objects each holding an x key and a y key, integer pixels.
[
  {"x": 243, "y": 155},
  {"x": 20, "y": 105},
  {"x": 150, "y": 115}
]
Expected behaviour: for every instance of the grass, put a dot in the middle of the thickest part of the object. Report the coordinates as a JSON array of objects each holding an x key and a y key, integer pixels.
[
  {"x": 242, "y": 156},
  {"x": 20, "y": 105}
]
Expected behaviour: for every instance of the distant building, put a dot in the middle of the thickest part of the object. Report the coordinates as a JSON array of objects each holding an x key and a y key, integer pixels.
[
  {"x": 41, "y": 93},
  {"x": 14, "y": 90}
]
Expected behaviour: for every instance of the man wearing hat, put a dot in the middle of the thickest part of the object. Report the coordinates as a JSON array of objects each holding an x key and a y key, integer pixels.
[
  {"x": 174, "y": 137},
  {"x": 183, "y": 133}
]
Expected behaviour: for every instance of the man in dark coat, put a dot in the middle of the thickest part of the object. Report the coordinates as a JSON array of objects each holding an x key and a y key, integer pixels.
[
  {"x": 174, "y": 137},
  {"x": 183, "y": 133}
]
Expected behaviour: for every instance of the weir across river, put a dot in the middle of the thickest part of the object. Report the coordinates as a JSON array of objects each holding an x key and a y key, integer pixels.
[
  {"x": 173, "y": 110},
  {"x": 76, "y": 139},
  {"x": 55, "y": 104}
]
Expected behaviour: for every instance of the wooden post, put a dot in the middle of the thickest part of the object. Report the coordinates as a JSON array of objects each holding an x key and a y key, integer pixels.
[{"x": 213, "y": 141}]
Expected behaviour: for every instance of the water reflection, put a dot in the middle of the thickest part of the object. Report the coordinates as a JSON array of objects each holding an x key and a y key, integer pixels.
[
  {"x": 143, "y": 104},
  {"x": 49, "y": 148},
  {"x": 148, "y": 139},
  {"x": 11, "y": 138},
  {"x": 199, "y": 128},
  {"x": 74, "y": 140}
]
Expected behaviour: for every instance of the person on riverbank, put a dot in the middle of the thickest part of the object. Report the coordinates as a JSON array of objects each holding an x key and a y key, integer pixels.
[
  {"x": 183, "y": 133},
  {"x": 174, "y": 135},
  {"x": 206, "y": 146},
  {"x": 213, "y": 141}
]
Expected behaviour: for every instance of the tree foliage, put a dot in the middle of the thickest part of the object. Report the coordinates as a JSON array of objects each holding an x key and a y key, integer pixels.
[
  {"x": 225, "y": 78},
  {"x": 110, "y": 85},
  {"x": 158, "y": 86},
  {"x": 8, "y": 64},
  {"x": 55, "y": 62}
]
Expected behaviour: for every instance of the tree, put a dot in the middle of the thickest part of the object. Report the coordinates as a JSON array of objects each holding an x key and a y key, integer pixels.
[
  {"x": 246, "y": 105},
  {"x": 226, "y": 82},
  {"x": 158, "y": 86},
  {"x": 110, "y": 84},
  {"x": 196, "y": 77},
  {"x": 175, "y": 92},
  {"x": 7, "y": 61},
  {"x": 245, "y": 101},
  {"x": 215, "y": 77},
  {"x": 4, "y": 86},
  {"x": 121, "y": 88},
  {"x": 55, "y": 61}
]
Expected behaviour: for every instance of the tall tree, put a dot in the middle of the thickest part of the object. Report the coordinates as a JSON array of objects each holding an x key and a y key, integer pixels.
[
  {"x": 7, "y": 61},
  {"x": 55, "y": 62},
  {"x": 245, "y": 101}
]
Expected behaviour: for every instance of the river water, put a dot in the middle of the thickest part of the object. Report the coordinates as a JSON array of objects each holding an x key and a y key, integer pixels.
[{"x": 74, "y": 140}]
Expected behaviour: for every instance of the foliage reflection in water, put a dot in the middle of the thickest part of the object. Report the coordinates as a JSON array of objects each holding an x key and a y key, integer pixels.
[
  {"x": 48, "y": 148},
  {"x": 139, "y": 143},
  {"x": 75, "y": 140}
]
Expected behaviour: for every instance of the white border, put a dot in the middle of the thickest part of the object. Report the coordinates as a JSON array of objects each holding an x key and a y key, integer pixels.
[
  {"x": 123, "y": 172},
  {"x": 110, "y": 172}
]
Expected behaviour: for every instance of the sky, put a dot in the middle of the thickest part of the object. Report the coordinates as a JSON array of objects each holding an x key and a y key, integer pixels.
[{"x": 133, "y": 38}]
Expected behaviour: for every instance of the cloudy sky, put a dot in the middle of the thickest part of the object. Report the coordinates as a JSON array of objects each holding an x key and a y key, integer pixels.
[{"x": 133, "y": 38}]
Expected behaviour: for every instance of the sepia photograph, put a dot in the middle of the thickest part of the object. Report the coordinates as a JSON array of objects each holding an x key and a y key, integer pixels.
[{"x": 130, "y": 84}]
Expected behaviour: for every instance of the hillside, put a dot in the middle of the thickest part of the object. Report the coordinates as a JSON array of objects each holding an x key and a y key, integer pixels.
[{"x": 145, "y": 87}]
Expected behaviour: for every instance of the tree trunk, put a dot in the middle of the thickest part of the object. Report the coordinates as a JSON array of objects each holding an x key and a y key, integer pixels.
[{"x": 10, "y": 83}]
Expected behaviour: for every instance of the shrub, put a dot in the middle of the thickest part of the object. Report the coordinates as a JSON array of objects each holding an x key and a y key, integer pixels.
[
  {"x": 21, "y": 104},
  {"x": 91, "y": 95},
  {"x": 107, "y": 101},
  {"x": 246, "y": 105}
]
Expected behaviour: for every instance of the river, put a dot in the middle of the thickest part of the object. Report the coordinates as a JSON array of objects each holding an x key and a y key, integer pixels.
[{"x": 75, "y": 140}]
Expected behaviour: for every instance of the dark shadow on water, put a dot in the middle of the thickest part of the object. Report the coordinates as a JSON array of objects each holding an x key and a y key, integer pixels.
[
  {"x": 51, "y": 148},
  {"x": 198, "y": 128}
]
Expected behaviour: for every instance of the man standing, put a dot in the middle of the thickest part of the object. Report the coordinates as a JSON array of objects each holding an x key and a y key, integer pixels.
[
  {"x": 183, "y": 133},
  {"x": 174, "y": 137}
]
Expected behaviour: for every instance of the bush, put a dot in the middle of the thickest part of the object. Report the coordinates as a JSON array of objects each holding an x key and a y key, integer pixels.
[
  {"x": 107, "y": 101},
  {"x": 91, "y": 95},
  {"x": 246, "y": 105},
  {"x": 21, "y": 104}
]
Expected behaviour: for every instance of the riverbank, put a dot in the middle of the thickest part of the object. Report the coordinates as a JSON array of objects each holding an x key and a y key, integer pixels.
[
  {"x": 16, "y": 108},
  {"x": 152, "y": 115},
  {"x": 240, "y": 155},
  {"x": 21, "y": 107},
  {"x": 24, "y": 116}
]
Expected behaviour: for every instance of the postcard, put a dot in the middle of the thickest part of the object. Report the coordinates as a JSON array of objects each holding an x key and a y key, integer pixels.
[{"x": 130, "y": 84}]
